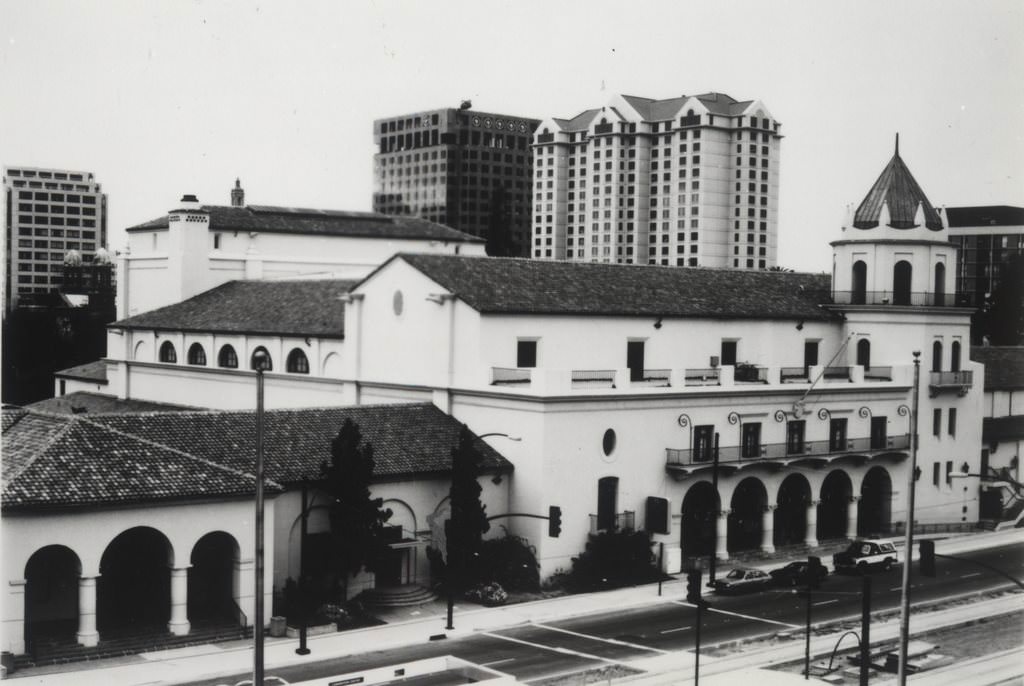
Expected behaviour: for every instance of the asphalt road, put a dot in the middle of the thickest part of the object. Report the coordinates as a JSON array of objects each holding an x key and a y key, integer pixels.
[{"x": 606, "y": 638}]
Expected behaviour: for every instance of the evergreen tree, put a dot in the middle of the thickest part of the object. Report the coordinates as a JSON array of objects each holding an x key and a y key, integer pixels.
[
  {"x": 500, "y": 241},
  {"x": 468, "y": 522},
  {"x": 357, "y": 520}
]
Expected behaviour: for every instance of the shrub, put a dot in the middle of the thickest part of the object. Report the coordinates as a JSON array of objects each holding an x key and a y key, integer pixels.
[
  {"x": 510, "y": 561},
  {"x": 613, "y": 559},
  {"x": 491, "y": 594}
]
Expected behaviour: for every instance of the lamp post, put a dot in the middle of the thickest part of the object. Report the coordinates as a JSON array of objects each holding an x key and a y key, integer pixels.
[
  {"x": 909, "y": 533},
  {"x": 260, "y": 363}
]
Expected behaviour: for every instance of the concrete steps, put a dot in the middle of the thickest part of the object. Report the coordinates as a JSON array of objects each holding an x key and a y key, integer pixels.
[{"x": 396, "y": 596}]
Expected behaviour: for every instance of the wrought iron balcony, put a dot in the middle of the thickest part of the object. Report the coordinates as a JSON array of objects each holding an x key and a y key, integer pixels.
[
  {"x": 878, "y": 373},
  {"x": 959, "y": 382},
  {"x": 892, "y": 298},
  {"x": 622, "y": 521},
  {"x": 793, "y": 374},
  {"x": 652, "y": 377},
  {"x": 733, "y": 454},
  {"x": 749, "y": 373},
  {"x": 510, "y": 375},
  {"x": 702, "y": 377},
  {"x": 593, "y": 377}
]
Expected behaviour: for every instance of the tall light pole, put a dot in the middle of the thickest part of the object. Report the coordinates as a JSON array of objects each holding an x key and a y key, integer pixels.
[
  {"x": 909, "y": 534},
  {"x": 260, "y": 362}
]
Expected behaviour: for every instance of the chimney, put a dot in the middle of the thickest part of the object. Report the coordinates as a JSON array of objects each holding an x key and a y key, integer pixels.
[
  {"x": 189, "y": 202},
  {"x": 237, "y": 195}
]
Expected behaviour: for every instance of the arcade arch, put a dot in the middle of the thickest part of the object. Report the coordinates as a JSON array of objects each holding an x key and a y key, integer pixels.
[
  {"x": 213, "y": 578},
  {"x": 791, "y": 513},
  {"x": 699, "y": 518},
  {"x": 746, "y": 515},
  {"x": 875, "y": 513},
  {"x": 133, "y": 589},
  {"x": 51, "y": 594},
  {"x": 835, "y": 505}
]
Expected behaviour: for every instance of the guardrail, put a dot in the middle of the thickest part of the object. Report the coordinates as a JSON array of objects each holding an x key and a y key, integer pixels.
[
  {"x": 903, "y": 298},
  {"x": 624, "y": 521}
]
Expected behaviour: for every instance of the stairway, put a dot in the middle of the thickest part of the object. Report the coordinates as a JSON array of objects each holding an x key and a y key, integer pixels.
[{"x": 396, "y": 596}]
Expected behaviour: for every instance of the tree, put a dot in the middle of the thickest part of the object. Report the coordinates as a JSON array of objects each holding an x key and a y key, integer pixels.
[
  {"x": 357, "y": 520},
  {"x": 500, "y": 241},
  {"x": 468, "y": 522}
]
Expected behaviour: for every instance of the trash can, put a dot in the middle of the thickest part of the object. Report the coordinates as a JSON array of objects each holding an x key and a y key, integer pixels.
[{"x": 278, "y": 626}]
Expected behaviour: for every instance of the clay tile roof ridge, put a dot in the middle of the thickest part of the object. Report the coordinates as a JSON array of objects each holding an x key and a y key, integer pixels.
[{"x": 69, "y": 422}]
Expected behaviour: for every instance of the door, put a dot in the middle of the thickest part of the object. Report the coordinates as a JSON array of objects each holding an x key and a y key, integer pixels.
[{"x": 635, "y": 360}]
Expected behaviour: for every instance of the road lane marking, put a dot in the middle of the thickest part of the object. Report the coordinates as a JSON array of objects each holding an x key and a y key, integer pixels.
[
  {"x": 826, "y": 602},
  {"x": 968, "y": 576},
  {"x": 613, "y": 641},
  {"x": 743, "y": 616},
  {"x": 672, "y": 631},
  {"x": 557, "y": 649}
]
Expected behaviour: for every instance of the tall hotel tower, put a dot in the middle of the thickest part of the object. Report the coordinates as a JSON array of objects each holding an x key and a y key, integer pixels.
[{"x": 688, "y": 181}]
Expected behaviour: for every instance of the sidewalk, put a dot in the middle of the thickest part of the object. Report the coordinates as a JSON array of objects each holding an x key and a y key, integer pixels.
[{"x": 184, "y": 664}]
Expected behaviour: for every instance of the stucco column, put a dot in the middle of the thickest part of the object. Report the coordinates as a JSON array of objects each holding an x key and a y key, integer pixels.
[
  {"x": 179, "y": 624},
  {"x": 851, "y": 517},
  {"x": 722, "y": 535},
  {"x": 768, "y": 529},
  {"x": 811, "y": 532},
  {"x": 87, "y": 634}
]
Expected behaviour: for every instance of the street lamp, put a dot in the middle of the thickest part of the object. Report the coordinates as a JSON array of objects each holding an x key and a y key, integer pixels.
[
  {"x": 260, "y": 363},
  {"x": 909, "y": 533}
]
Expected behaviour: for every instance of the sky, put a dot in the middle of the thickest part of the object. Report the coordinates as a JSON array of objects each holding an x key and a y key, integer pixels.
[{"x": 159, "y": 99}]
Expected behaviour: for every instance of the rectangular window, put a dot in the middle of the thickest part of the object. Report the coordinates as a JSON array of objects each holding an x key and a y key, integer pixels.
[
  {"x": 879, "y": 433},
  {"x": 937, "y": 422},
  {"x": 795, "y": 436},
  {"x": 952, "y": 421},
  {"x": 526, "y": 353},
  {"x": 635, "y": 360},
  {"x": 751, "y": 440},
  {"x": 810, "y": 354},
  {"x": 949, "y": 472},
  {"x": 936, "y": 469},
  {"x": 703, "y": 443},
  {"x": 837, "y": 435},
  {"x": 729, "y": 352}
]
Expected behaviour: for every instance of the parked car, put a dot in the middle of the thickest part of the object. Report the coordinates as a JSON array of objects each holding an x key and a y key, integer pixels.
[
  {"x": 793, "y": 574},
  {"x": 864, "y": 555},
  {"x": 742, "y": 580}
]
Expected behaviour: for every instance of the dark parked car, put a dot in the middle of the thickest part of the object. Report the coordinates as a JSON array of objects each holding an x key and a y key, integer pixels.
[
  {"x": 743, "y": 579},
  {"x": 793, "y": 574}
]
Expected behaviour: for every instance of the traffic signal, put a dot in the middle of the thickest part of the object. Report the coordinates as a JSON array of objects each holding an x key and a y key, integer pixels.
[
  {"x": 927, "y": 558},
  {"x": 693, "y": 586},
  {"x": 813, "y": 572},
  {"x": 554, "y": 521}
]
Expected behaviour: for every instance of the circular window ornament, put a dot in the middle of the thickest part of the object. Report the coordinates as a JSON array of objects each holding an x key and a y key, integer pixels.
[
  {"x": 608, "y": 442},
  {"x": 397, "y": 302}
]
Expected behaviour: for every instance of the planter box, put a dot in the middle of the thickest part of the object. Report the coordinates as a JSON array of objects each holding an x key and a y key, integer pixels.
[{"x": 317, "y": 630}]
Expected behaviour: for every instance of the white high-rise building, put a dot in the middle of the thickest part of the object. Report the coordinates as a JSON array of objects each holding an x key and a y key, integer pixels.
[{"x": 687, "y": 181}]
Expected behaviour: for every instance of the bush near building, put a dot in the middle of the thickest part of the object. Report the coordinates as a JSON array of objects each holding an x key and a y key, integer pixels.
[{"x": 613, "y": 559}]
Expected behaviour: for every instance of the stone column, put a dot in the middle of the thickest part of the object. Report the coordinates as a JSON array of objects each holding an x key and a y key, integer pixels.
[
  {"x": 722, "y": 535},
  {"x": 87, "y": 634},
  {"x": 768, "y": 529},
  {"x": 851, "y": 517},
  {"x": 811, "y": 533},
  {"x": 179, "y": 624}
]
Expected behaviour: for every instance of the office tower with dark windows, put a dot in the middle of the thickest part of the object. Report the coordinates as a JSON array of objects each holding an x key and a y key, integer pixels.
[
  {"x": 466, "y": 169},
  {"x": 990, "y": 239},
  {"x": 687, "y": 181},
  {"x": 52, "y": 214}
]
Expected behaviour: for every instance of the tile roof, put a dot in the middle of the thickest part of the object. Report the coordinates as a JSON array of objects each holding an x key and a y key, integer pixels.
[
  {"x": 1004, "y": 366},
  {"x": 116, "y": 458},
  {"x": 299, "y": 308},
  {"x": 302, "y": 221},
  {"x": 83, "y": 402},
  {"x": 520, "y": 286},
  {"x": 90, "y": 371},
  {"x": 897, "y": 187},
  {"x": 985, "y": 215}
]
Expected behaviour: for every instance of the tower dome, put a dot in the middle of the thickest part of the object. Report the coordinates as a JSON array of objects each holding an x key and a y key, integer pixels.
[{"x": 896, "y": 194}]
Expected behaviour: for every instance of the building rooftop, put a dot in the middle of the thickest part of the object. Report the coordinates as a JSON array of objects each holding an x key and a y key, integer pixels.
[
  {"x": 985, "y": 215},
  {"x": 518, "y": 286},
  {"x": 1004, "y": 366},
  {"x": 83, "y": 402},
  {"x": 90, "y": 371},
  {"x": 652, "y": 110},
  {"x": 79, "y": 460},
  {"x": 897, "y": 188},
  {"x": 295, "y": 308},
  {"x": 301, "y": 221}
]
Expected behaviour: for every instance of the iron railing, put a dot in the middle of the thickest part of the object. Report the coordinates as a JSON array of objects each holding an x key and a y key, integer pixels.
[
  {"x": 594, "y": 376},
  {"x": 510, "y": 375},
  {"x": 623, "y": 521},
  {"x": 891, "y": 298},
  {"x": 791, "y": 374},
  {"x": 836, "y": 374},
  {"x": 878, "y": 373},
  {"x": 965, "y": 378},
  {"x": 750, "y": 373},
  {"x": 654, "y": 376},
  {"x": 777, "y": 451},
  {"x": 701, "y": 377}
]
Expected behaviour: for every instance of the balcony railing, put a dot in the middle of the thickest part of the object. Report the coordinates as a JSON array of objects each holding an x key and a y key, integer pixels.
[
  {"x": 686, "y": 457},
  {"x": 836, "y": 374},
  {"x": 594, "y": 377},
  {"x": 793, "y": 374},
  {"x": 509, "y": 375},
  {"x": 961, "y": 382},
  {"x": 891, "y": 298},
  {"x": 654, "y": 377},
  {"x": 748, "y": 373},
  {"x": 701, "y": 377},
  {"x": 623, "y": 521},
  {"x": 878, "y": 373}
]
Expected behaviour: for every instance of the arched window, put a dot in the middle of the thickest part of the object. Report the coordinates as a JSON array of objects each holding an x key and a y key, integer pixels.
[
  {"x": 864, "y": 353},
  {"x": 227, "y": 358},
  {"x": 954, "y": 357},
  {"x": 901, "y": 274},
  {"x": 297, "y": 362},
  {"x": 940, "y": 284},
  {"x": 937, "y": 356},
  {"x": 167, "y": 352},
  {"x": 269, "y": 362},
  {"x": 860, "y": 283},
  {"x": 196, "y": 355}
]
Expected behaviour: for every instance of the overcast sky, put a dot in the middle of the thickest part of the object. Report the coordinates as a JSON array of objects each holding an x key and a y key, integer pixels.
[{"x": 164, "y": 98}]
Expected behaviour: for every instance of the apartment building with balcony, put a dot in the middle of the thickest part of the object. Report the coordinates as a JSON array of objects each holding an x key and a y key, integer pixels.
[{"x": 687, "y": 181}]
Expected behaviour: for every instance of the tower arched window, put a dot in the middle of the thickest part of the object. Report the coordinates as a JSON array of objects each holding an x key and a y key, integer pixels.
[
  {"x": 940, "y": 284},
  {"x": 196, "y": 355},
  {"x": 168, "y": 353},
  {"x": 860, "y": 283},
  {"x": 937, "y": 356},
  {"x": 901, "y": 276},
  {"x": 227, "y": 357},
  {"x": 954, "y": 357},
  {"x": 297, "y": 362},
  {"x": 268, "y": 364},
  {"x": 864, "y": 353}
]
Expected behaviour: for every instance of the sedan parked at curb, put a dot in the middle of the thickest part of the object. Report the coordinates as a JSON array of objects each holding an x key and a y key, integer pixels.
[
  {"x": 794, "y": 574},
  {"x": 742, "y": 580}
]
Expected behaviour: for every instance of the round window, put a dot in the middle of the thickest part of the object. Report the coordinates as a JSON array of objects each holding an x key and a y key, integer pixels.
[
  {"x": 397, "y": 302},
  {"x": 608, "y": 443}
]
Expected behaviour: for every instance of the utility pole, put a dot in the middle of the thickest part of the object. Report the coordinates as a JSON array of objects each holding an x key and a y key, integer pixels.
[
  {"x": 303, "y": 585},
  {"x": 718, "y": 511},
  {"x": 259, "y": 362},
  {"x": 909, "y": 535},
  {"x": 865, "y": 629}
]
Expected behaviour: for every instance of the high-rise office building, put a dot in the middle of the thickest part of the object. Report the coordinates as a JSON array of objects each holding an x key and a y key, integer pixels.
[
  {"x": 987, "y": 238},
  {"x": 50, "y": 212},
  {"x": 467, "y": 169},
  {"x": 688, "y": 181}
]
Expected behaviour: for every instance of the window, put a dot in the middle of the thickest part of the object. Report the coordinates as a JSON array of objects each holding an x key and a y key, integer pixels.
[
  {"x": 810, "y": 354},
  {"x": 860, "y": 282},
  {"x": 936, "y": 470},
  {"x": 937, "y": 356},
  {"x": 635, "y": 360},
  {"x": 196, "y": 355},
  {"x": 937, "y": 422},
  {"x": 837, "y": 435},
  {"x": 227, "y": 358},
  {"x": 901, "y": 276},
  {"x": 703, "y": 443},
  {"x": 795, "y": 436},
  {"x": 940, "y": 284},
  {"x": 607, "y": 494},
  {"x": 526, "y": 353},
  {"x": 751, "y": 446},
  {"x": 167, "y": 353},
  {"x": 879, "y": 433},
  {"x": 729, "y": 352},
  {"x": 864, "y": 353},
  {"x": 297, "y": 362},
  {"x": 268, "y": 363},
  {"x": 954, "y": 357},
  {"x": 949, "y": 473},
  {"x": 952, "y": 421}
]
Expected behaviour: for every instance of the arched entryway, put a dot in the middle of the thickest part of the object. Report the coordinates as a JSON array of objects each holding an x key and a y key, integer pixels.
[
  {"x": 746, "y": 514},
  {"x": 791, "y": 513},
  {"x": 213, "y": 579},
  {"x": 875, "y": 513},
  {"x": 833, "y": 508},
  {"x": 700, "y": 512},
  {"x": 133, "y": 590},
  {"x": 51, "y": 595}
]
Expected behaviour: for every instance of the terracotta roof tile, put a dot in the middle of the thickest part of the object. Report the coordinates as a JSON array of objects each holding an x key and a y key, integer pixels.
[
  {"x": 81, "y": 402},
  {"x": 90, "y": 371}
]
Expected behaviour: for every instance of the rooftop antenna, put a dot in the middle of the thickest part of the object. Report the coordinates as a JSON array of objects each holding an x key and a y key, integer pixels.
[{"x": 897, "y": 144}]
